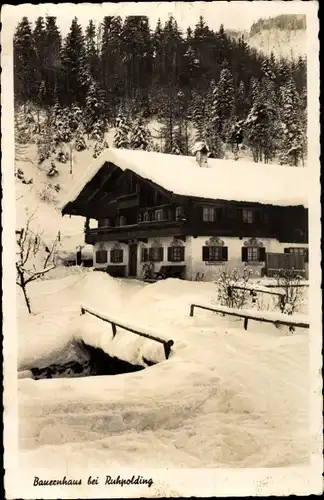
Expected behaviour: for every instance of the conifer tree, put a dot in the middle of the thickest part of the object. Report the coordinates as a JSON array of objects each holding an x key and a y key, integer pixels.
[
  {"x": 74, "y": 69},
  {"x": 140, "y": 137},
  {"x": 92, "y": 55},
  {"x": 292, "y": 126},
  {"x": 94, "y": 108},
  {"x": 121, "y": 137},
  {"x": 52, "y": 61},
  {"x": 26, "y": 75}
]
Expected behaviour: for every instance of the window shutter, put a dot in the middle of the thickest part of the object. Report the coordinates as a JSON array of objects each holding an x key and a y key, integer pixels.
[
  {"x": 170, "y": 254},
  {"x": 161, "y": 254},
  {"x": 225, "y": 254},
  {"x": 150, "y": 254},
  {"x": 219, "y": 213},
  {"x": 306, "y": 254},
  {"x": 182, "y": 253},
  {"x": 262, "y": 253},
  {"x": 205, "y": 253},
  {"x": 244, "y": 254}
]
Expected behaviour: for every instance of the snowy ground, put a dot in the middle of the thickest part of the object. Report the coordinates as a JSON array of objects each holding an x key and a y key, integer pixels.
[{"x": 224, "y": 396}]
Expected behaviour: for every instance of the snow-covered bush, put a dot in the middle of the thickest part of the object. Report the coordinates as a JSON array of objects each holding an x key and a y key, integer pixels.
[
  {"x": 47, "y": 194},
  {"x": 99, "y": 147},
  {"x": 79, "y": 143},
  {"x": 53, "y": 170},
  {"x": 229, "y": 297},
  {"x": 289, "y": 281},
  {"x": 62, "y": 157}
]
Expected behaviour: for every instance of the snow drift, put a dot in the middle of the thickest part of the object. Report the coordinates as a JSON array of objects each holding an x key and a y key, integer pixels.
[{"x": 222, "y": 398}]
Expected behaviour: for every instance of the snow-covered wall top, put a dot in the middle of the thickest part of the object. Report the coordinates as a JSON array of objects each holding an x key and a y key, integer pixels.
[{"x": 224, "y": 180}]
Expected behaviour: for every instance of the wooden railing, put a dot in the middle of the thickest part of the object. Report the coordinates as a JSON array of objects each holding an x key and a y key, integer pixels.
[
  {"x": 264, "y": 316},
  {"x": 167, "y": 344}
]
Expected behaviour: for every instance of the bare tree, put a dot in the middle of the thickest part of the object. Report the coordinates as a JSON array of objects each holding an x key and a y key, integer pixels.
[{"x": 34, "y": 258}]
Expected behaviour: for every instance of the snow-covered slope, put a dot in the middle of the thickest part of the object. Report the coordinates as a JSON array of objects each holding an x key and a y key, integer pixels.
[{"x": 222, "y": 398}]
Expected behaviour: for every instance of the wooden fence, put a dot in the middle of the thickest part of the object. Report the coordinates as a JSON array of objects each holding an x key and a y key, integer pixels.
[
  {"x": 167, "y": 344},
  {"x": 300, "y": 321},
  {"x": 277, "y": 261}
]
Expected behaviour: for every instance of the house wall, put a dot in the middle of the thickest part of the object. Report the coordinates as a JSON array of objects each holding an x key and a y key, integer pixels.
[
  {"x": 109, "y": 245},
  {"x": 193, "y": 255},
  {"x": 165, "y": 242},
  {"x": 211, "y": 270}
]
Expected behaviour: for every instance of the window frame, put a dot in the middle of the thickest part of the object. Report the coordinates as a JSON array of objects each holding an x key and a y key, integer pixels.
[
  {"x": 176, "y": 250},
  {"x": 101, "y": 251},
  {"x": 209, "y": 214},
  {"x": 247, "y": 216},
  {"x": 116, "y": 255},
  {"x": 156, "y": 254},
  {"x": 216, "y": 253}
]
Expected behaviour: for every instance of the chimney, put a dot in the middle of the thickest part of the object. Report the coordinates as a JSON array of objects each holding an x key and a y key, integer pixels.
[{"x": 201, "y": 151}]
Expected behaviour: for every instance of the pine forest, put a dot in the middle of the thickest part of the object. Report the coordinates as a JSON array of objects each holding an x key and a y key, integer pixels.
[{"x": 198, "y": 85}]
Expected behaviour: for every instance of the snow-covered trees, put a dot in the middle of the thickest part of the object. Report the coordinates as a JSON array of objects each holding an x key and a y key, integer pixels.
[
  {"x": 140, "y": 137},
  {"x": 121, "y": 137},
  {"x": 291, "y": 115}
]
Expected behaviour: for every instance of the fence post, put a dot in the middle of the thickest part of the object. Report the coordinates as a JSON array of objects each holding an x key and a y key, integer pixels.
[
  {"x": 192, "y": 309},
  {"x": 114, "y": 329},
  {"x": 82, "y": 311},
  {"x": 245, "y": 323},
  {"x": 167, "y": 348}
]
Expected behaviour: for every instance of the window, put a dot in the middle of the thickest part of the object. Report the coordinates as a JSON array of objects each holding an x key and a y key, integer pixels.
[
  {"x": 247, "y": 216},
  {"x": 146, "y": 217},
  {"x": 156, "y": 254},
  {"x": 116, "y": 255},
  {"x": 178, "y": 213},
  {"x": 122, "y": 220},
  {"x": 159, "y": 215},
  {"x": 101, "y": 256},
  {"x": 215, "y": 254},
  {"x": 253, "y": 254},
  {"x": 209, "y": 214},
  {"x": 176, "y": 254},
  {"x": 298, "y": 251}
]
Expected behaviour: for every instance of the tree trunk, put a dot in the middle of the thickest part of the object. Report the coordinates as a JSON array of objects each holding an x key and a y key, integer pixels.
[{"x": 23, "y": 287}]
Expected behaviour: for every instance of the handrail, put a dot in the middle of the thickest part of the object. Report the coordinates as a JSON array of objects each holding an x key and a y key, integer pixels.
[
  {"x": 167, "y": 344},
  {"x": 264, "y": 316}
]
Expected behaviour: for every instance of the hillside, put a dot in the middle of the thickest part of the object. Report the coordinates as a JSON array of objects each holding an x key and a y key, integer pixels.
[{"x": 284, "y": 36}]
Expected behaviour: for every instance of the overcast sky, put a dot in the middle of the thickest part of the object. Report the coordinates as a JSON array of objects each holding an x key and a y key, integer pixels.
[{"x": 234, "y": 14}]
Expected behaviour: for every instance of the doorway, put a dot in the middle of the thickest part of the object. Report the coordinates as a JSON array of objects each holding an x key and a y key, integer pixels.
[{"x": 132, "y": 259}]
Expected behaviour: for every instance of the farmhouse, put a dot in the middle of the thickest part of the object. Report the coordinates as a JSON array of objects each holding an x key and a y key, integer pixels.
[{"x": 191, "y": 216}]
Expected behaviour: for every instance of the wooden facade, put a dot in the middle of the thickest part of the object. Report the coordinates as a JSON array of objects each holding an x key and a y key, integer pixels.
[{"x": 131, "y": 209}]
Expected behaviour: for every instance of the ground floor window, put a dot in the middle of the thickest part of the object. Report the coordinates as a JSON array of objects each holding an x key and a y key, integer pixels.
[
  {"x": 253, "y": 254},
  {"x": 156, "y": 254},
  {"x": 298, "y": 251},
  {"x": 215, "y": 253},
  {"x": 176, "y": 254},
  {"x": 101, "y": 256},
  {"x": 116, "y": 255}
]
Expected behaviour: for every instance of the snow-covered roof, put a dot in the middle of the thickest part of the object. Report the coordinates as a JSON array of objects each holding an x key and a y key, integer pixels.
[{"x": 225, "y": 179}]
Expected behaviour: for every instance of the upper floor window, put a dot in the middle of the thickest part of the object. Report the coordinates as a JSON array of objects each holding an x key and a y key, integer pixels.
[
  {"x": 209, "y": 214},
  {"x": 122, "y": 220},
  {"x": 298, "y": 251},
  {"x": 247, "y": 216},
  {"x": 178, "y": 213},
  {"x": 159, "y": 215}
]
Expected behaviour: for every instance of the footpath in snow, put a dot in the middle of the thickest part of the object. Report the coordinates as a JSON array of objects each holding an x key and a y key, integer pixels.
[{"x": 222, "y": 398}]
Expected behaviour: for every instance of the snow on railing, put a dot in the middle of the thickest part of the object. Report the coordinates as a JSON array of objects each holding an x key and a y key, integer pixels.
[
  {"x": 167, "y": 344},
  {"x": 276, "y": 318}
]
